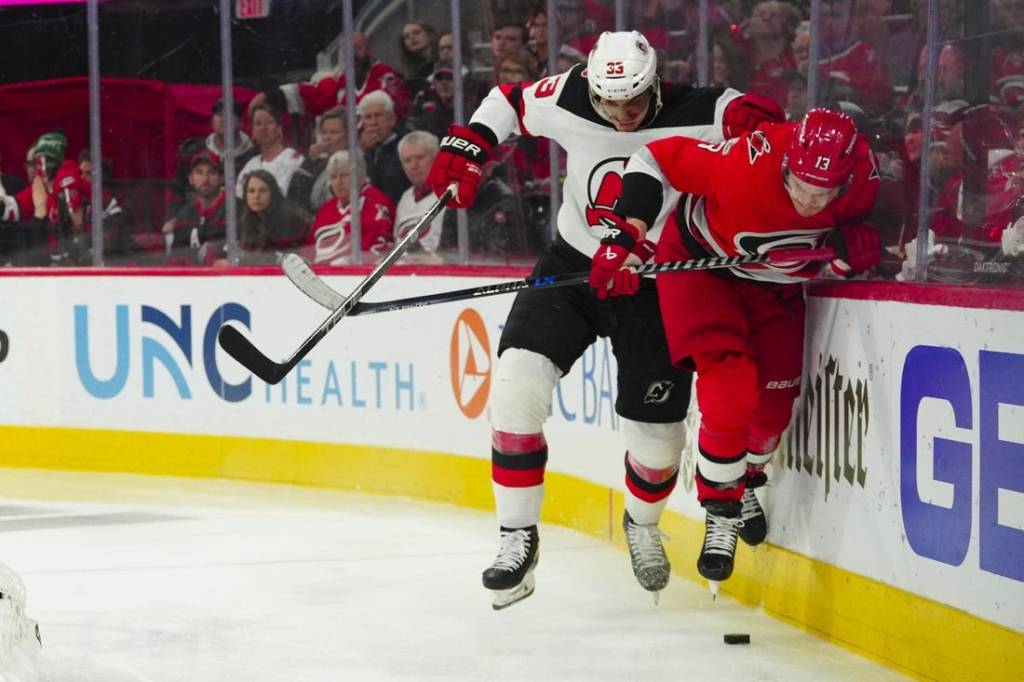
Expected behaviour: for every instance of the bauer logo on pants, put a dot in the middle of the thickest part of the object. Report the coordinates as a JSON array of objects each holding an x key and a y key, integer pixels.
[{"x": 470, "y": 363}]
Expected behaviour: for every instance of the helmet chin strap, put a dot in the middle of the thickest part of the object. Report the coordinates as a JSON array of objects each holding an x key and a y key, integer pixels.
[{"x": 653, "y": 105}]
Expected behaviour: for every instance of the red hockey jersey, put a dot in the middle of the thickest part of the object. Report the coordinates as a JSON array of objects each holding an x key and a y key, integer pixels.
[{"x": 734, "y": 198}]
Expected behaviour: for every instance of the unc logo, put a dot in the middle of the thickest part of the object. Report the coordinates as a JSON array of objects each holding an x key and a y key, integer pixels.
[{"x": 658, "y": 392}]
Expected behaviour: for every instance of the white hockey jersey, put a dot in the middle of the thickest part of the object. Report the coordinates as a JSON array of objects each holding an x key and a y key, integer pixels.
[
  {"x": 559, "y": 108},
  {"x": 410, "y": 210}
]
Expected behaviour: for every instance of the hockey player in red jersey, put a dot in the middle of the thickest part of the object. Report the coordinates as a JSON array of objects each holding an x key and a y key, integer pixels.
[
  {"x": 781, "y": 186},
  {"x": 600, "y": 116}
]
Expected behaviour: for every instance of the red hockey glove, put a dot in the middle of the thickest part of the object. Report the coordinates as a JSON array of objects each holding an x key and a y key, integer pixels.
[
  {"x": 858, "y": 249},
  {"x": 748, "y": 111},
  {"x": 643, "y": 251},
  {"x": 607, "y": 275},
  {"x": 461, "y": 160}
]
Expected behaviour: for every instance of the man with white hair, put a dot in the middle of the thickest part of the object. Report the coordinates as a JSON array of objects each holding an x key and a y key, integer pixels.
[
  {"x": 416, "y": 152},
  {"x": 600, "y": 115},
  {"x": 379, "y": 133},
  {"x": 330, "y": 238}
]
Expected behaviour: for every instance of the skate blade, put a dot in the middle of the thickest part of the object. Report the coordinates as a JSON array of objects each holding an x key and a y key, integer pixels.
[
  {"x": 713, "y": 586},
  {"x": 505, "y": 598}
]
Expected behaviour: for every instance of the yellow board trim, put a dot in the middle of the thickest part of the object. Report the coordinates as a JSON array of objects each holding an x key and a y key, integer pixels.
[{"x": 903, "y": 630}]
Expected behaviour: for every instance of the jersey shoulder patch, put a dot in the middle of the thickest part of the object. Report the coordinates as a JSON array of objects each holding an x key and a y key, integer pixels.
[{"x": 757, "y": 146}]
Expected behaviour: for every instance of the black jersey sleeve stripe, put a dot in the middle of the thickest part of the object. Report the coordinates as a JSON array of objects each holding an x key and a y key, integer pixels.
[{"x": 641, "y": 198}]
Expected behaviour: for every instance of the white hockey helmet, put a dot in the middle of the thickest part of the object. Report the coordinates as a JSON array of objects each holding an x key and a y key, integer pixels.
[{"x": 621, "y": 66}]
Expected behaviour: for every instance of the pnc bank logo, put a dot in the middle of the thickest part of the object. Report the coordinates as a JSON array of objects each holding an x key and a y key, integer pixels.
[{"x": 470, "y": 363}]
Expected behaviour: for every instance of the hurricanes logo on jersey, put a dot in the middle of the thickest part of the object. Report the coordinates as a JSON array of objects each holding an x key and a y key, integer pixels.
[
  {"x": 604, "y": 187},
  {"x": 757, "y": 145}
]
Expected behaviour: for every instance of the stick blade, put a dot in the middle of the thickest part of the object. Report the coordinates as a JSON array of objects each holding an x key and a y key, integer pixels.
[{"x": 242, "y": 349}]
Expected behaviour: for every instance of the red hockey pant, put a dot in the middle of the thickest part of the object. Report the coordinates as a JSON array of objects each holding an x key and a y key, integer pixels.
[{"x": 745, "y": 340}]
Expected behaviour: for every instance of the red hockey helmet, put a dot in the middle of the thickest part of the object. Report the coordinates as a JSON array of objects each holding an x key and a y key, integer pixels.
[{"x": 821, "y": 150}]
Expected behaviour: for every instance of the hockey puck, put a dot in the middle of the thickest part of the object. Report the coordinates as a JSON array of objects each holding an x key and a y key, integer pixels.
[{"x": 737, "y": 638}]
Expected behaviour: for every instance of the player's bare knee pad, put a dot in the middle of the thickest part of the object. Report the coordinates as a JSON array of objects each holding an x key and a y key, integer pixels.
[{"x": 521, "y": 396}]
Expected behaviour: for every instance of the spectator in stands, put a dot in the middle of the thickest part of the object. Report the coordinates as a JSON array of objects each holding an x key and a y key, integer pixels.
[
  {"x": 516, "y": 66},
  {"x": 729, "y": 65},
  {"x": 115, "y": 237},
  {"x": 434, "y": 111},
  {"x": 509, "y": 36},
  {"x": 568, "y": 57},
  {"x": 10, "y": 187},
  {"x": 1007, "y": 70},
  {"x": 580, "y": 22},
  {"x": 801, "y": 47},
  {"x": 330, "y": 238},
  {"x": 274, "y": 156},
  {"x": 445, "y": 46},
  {"x": 796, "y": 95},
  {"x": 201, "y": 220},
  {"x": 314, "y": 98},
  {"x": 417, "y": 151},
  {"x": 30, "y": 206},
  {"x": 214, "y": 143},
  {"x": 537, "y": 29},
  {"x": 767, "y": 38},
  {"x": 847, "y": 58},
  {"x": 417, "y": 44},
  {"x": 268, "y": 225},
  {"x": 310, "y": 186},
  {"x": 379, "y": 133}
]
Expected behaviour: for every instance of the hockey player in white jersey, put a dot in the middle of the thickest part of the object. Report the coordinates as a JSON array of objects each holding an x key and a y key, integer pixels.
[{"x": 600, "y": 115}]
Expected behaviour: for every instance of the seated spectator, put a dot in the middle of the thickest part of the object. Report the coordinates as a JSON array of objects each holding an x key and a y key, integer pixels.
[
  {"x": 279, "y": 160},
  {"x": 12, "y": 187},
  {"x": 847, "y": 58},
  {"x": 801, "y": 47},
  {"x": 445, "y": 46},
  {"x": 418, "y": 46},
  {"x": 516, "y": 66},
  {"x": 115, "y": 237},
  {"x": 379, "y": 133},
  {"x": 796, "y": 95},
  {"x": 537, "y": 29},
  {"x": 417, "y": 151},
  {"x": 580, "y": 22},
  {"x": 568, "y": 57},
  {"x": 41, "y": 163},
  {"x": 310, "y": 186},
  {"x": 729, "y": 65},
  {"x": 314, "y": 98},
  {"x": 768, "y": 35},
  {"x": 1007, "y": 57},
  {"x": 330, "y": 238},
  {"x": 268, "y": 225},
  {"x": 202, "y": 219},
  {"x": 69, "y": 214},
  {"x": 434, "y": 110},
  {"x": 244, "y": 148}
]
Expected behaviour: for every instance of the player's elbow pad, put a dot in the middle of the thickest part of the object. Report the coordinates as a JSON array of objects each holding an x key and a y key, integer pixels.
[{"x": 641, "y": 198}]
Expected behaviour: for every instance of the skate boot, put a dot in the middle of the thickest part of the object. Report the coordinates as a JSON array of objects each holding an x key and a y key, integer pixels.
[
  {"x": 755, "y": 523},
  {"x": 650, "y": 565},
  {"x": 510, "y": 577},
  {"x": 723, "y": 524}
]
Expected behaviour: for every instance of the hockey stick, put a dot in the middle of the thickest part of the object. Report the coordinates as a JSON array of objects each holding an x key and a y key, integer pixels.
[
  {"x": 303, "y": 277},
  {"x": 243, "y": 350}
]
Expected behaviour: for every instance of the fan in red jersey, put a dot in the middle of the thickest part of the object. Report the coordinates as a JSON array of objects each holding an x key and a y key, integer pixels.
[{"x": 803, "y": 184}]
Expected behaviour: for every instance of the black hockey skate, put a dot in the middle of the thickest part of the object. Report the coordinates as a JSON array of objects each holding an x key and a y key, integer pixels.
[
  {"x": 510, "y": 577},
  {"x": 722, "y": 526},
  {"x": 650, "y": 565},
  {"x": 755, "y": 523}
]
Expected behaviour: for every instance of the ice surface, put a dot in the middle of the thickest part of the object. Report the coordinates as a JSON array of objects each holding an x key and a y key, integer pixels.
[{"x": 159, "y": 579}]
